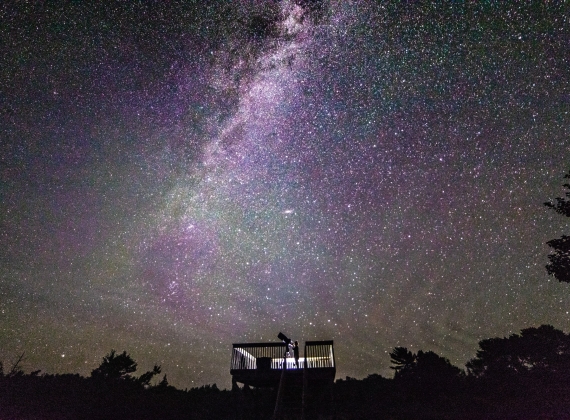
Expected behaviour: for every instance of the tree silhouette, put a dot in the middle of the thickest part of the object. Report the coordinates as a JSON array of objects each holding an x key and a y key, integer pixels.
[
  {"x": 423, "y": 366},
  {"x": 544, "y": 350},
  {"x": 145, "y": 378},
  {"x": 431, "y": 365},
  {"x": 402, "y": 358},
  {"x": 120, "y": 366},
  {"x": 115, "y": 366},
  {"x": 423, "y": 386},
  {"x": 163, "y": 383},
  {"x": 559, "y": 265}
]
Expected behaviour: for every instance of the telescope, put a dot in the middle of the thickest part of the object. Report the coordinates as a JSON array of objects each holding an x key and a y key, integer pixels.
[{"x": 284, "y": 338}]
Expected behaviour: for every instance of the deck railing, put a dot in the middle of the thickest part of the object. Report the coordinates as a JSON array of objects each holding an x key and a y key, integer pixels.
[
  {"x": 265, "y": 356},
  {"x": 258, "y": 355},
  {"x": 319, "y": 354}
]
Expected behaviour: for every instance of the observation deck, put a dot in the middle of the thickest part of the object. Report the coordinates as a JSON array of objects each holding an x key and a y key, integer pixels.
[{"x": 261, "y": 364}]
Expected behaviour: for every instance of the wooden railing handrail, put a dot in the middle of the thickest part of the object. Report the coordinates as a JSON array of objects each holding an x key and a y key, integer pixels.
[
  {"x": 319, "y": 343},
  {"x": 243, "y": 345}
]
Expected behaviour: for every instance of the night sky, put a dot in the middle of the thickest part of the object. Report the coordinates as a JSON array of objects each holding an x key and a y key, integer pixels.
[{"x": 180, "y": 176}]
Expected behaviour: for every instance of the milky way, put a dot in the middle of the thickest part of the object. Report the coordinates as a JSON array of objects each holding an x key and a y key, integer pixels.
[{"x": 178, "y": 177}]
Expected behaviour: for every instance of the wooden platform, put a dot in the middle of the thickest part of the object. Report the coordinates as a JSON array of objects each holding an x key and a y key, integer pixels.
[
  {"x": 261, "y": 364},
  {"x": 302, "y": 391}
]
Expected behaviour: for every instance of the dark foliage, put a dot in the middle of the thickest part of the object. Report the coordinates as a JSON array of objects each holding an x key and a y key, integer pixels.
[
  {"x": 146, "y": 377},
  {"x": 428, "y": 371},
  {"x": 74, "y": 397},
  {"x": 544, "y": 350},
  {"x": 559, "y": 265},
  {"x": 523, "y": 376},
  {"x": 562, "y": 205},
  {"x": 119, "y": 367},
  {"x": 115, "y": 367},
  {"x": 402, "y": 359}
]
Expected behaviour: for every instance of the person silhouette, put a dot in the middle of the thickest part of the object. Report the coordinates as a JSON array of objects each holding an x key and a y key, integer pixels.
[{"x": 296, "y": 353}]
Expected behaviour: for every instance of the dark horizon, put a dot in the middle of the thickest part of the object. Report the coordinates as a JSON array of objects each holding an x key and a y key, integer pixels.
[{"x": 524, "y": 375}]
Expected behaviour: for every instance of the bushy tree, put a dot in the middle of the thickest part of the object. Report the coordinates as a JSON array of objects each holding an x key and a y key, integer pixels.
[
  {"x": 543, "y": 350},
  {"x": 422, "y": 366},
  {"x": 402, "y": 358},
  {"x": 115, "y": 366},
  {"x": 146, "y": 377},
  {"x": 120, "y": 366},
  {"x": 559, "y": 265}
]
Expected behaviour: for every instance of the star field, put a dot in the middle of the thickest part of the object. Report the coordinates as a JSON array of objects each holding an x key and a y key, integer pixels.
[{"x": 177, "y": 177}]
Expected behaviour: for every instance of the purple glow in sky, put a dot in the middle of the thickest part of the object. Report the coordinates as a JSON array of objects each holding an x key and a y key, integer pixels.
[{"x": 180, "y": 176}]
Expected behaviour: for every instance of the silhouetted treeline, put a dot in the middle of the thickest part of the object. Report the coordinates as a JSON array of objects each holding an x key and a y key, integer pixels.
[
  {"x": 523, "y": 376},
  {"x": 111, "y": 392},
  {"x": 74, "y": 397}
]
